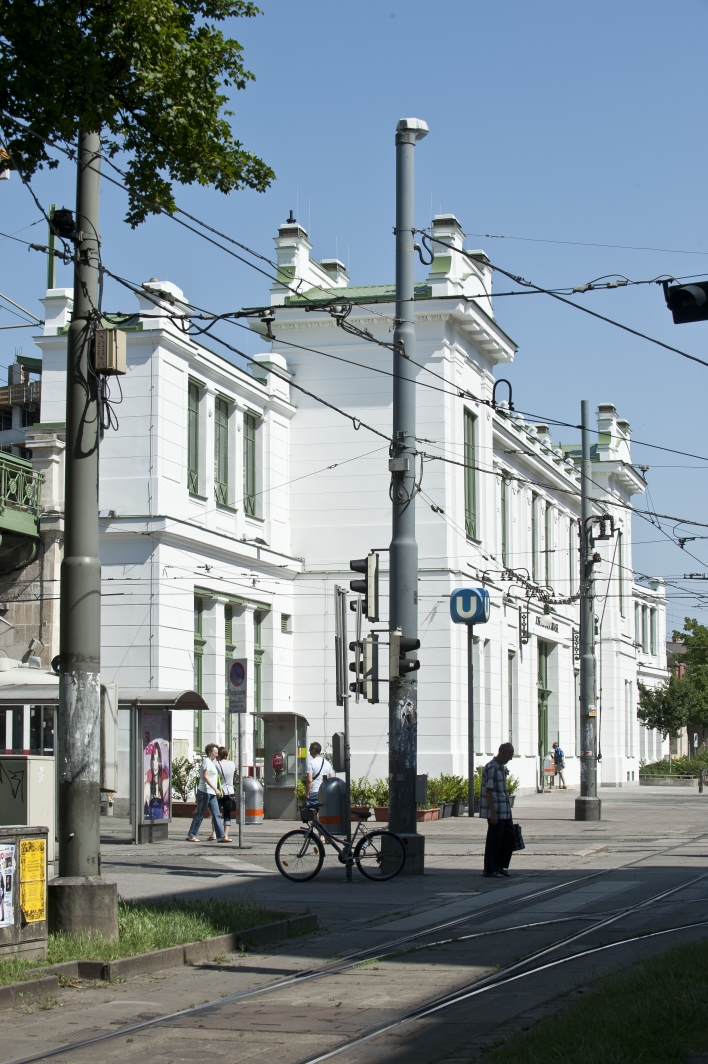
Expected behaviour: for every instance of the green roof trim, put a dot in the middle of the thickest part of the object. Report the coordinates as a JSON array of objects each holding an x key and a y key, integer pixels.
[{"x": 376, "y": 293}]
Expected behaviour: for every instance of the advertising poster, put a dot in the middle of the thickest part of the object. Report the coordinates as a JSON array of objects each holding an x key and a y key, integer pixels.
[
  {"x": 33, "y": 880},
  {"x": 157, "y": 770},
  {"x": 7, "y": 880},
  {"x": 237, "y": 673}
]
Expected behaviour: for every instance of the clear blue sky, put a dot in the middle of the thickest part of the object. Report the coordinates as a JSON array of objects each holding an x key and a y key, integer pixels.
[{"x": 557, "y": 121}]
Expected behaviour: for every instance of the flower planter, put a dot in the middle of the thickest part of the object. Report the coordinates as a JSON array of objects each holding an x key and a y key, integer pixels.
[
  {"x": 512, "y": 799},
  {"x": 446, "y": 809},
  {"x": 456, "y": 807},
  {"x": 184, "y": 809},
  {"x": 424, "y": 815},
  {"x": 381, "y": 813}
]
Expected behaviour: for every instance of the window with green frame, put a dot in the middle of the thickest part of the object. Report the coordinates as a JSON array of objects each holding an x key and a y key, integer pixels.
[
  {"x": 193, "y": 438},
  {"x": 534, "y": 537},
  {"x": 221, "y": 452},
  {"x": 470, "y": 474},
  {"x": 505, "y": 521},
  {"x": 620, "y": 571},
  {"x": 571, "y": 555},
  {"x": 547, "y": 535},
  {"x": 258, "y": 740},
  {"x": 250, "y": 465},
  {"x": 228, "y": 653},
  {"x": 199, "y": 643}
]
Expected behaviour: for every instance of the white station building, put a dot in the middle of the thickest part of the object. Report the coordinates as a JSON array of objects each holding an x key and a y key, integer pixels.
[{"x": 231, "y": 501}]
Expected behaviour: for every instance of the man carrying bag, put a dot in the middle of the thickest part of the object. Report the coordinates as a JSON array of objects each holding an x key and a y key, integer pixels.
[{"x": 495, "y": 807}]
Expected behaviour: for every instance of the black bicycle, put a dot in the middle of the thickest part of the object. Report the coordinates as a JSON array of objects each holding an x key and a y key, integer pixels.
[{"x": 300, "y": 854}]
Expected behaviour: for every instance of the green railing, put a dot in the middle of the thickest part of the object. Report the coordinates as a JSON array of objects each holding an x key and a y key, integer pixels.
[{"x": 20, "y": 488}]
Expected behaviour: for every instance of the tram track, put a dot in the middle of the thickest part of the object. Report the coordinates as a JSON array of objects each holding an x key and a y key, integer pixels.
[{"x": 352, "y": 960}]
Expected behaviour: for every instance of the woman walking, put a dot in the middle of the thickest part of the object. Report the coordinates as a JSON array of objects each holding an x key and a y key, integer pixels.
[{"x": 226, "y": 769}]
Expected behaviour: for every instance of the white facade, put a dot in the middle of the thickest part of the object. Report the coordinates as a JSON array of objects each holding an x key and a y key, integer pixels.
[{"x": 263, "y": 535}]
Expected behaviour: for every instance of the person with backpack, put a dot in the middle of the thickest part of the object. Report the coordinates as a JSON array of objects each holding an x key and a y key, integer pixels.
[
  {"x": 318, "y": 769},
  {"x": 226, "y": 769},
  {"x": 559, "y": 764}
]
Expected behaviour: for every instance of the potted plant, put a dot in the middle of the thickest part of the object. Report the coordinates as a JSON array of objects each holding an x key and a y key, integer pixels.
[
  {"x": 512, "y": 785},
  {"x": 360, "y": 795},
  {"x": 458, "y": 788},
  {"x": 379, "y": 799},
  {"x": 185, "y": 776}
]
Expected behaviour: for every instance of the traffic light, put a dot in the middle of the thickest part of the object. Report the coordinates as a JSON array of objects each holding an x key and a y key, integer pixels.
[
  {"x": 398, "y": 646},
  {"x": 369, "y": 586},
  {"x": 365, "y": 667},
  {"x": 687, "y": 302}
]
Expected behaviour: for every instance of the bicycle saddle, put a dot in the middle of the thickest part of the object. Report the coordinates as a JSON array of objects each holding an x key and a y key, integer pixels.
[{"x": 362, "y": 816}]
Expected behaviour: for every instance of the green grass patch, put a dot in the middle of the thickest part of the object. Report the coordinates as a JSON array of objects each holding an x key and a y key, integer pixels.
[
  {"x": 146, "y": 926},
  {"x": 656, "y": 1014}
]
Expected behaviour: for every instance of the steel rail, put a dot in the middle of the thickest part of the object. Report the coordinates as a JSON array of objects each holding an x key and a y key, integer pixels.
[
  {"x": 351, "y": 960},
  {"x": 456, "y": 997}
]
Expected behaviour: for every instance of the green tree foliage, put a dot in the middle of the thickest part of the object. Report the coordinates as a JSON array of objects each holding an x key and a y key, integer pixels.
[
  {"x": 672, "y": 705},
  {"x": 695, "y": 640},
  {"x": 148, "y": 75}
]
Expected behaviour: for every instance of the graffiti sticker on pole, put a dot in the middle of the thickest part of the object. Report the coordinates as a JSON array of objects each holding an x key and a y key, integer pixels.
[{"x": 238, "y": 686}]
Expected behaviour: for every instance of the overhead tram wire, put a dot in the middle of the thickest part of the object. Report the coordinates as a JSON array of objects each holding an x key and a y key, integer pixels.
[
  {"x": 537, "y": 289},
  {"x": 562, "y": 299},
  {"x": 138, "y": 289}
]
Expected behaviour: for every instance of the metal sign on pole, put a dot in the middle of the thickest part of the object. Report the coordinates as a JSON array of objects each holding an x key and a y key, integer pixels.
[
  {"x": 237, "y": 673},
  {"x": 470, "y": 606}
]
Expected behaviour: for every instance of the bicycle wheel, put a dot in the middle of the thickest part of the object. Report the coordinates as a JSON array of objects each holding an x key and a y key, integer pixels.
[
  {"x": 298, "y": 857},
  {"x": 380, "y": 855}
]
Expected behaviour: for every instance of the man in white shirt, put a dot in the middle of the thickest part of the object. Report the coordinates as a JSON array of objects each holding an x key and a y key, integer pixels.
[
  {"x": 208, "y": 797},
  {"x": 318, "y": 769}
]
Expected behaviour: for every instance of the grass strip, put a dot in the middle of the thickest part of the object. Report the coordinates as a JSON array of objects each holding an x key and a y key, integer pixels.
[
  {"x": 147, "y": 926},
  {"x": 655, "y": 1014}
]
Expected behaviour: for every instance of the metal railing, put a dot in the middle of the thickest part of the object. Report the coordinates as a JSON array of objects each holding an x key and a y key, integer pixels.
[{"x": 20, "y": 487}]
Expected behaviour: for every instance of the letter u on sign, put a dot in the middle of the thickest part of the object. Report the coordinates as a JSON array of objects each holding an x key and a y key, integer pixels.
[{"x": 469, "y": 605}]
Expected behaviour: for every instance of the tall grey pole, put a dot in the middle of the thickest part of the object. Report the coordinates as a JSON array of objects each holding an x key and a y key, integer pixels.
[
  {"x": 86, "y": 903},
  {"x": 403, "y": 613},
  {"x": 588, "y": 805},
  {"x": 241, "y": 792},
  {"x": 470, "y": 719}
]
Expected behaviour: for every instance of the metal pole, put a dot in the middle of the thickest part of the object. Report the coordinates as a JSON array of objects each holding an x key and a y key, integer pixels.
[
  {"x": 51, "y": 245},
  {"x": 241, "y": 810},
  {"x": 403, "y": 614},
  {"x": 587, "y": 806},
  {"x": 347, "y": 785},
  {"x": 78, "y": 739},
  {"x": 80, "y": 593},
  {"x": 470, "y": 719}
]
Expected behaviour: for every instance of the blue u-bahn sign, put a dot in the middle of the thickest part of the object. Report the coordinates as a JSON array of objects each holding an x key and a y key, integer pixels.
[{"x": 469, "y": 605}]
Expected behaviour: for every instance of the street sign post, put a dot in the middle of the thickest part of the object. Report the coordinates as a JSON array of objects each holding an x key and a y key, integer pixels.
[
  {"x": 237, "y": 674},
  {"x": 470, "y": 606}
]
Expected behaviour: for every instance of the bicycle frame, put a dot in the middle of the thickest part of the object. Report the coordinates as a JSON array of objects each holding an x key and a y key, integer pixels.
[{"x": 342, "y": 847}]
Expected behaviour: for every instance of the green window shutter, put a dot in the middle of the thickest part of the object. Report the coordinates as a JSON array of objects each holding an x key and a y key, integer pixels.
[
  {"x": 221, "y": 452},
  {"x": 249, "y": 465},
  {"x": 193, "y": 439},
  {"x": 620, "y": 571},
  {"x": 534, "y": 537},
  {"x": 470, "y": 476},
  {"x": 547, "y": 545}
]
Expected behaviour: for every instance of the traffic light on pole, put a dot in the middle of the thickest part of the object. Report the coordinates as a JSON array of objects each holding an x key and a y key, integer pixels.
[
  {"x": 687, "y": 302},
  {"x": 398, "y": 646},
  {"x": 365, "y": 667},
  {"x": 369, "y": 586}
]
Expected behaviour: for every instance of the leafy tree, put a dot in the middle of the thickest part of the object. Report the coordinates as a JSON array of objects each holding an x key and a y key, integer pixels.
[
  {"x": 695, "y": 639},
  {"x": 672, "y": 705},
  {"x": 147, "y": 74}
]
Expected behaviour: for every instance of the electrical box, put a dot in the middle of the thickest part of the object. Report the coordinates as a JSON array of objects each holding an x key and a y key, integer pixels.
[
  {"x": 110, "y": 352},
  {"x": 285, "y": 743},
  {"x": 339, "y": 754}
]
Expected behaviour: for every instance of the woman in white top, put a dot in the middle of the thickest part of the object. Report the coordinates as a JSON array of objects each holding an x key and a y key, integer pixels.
[{"x": 226, "y": 769}]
